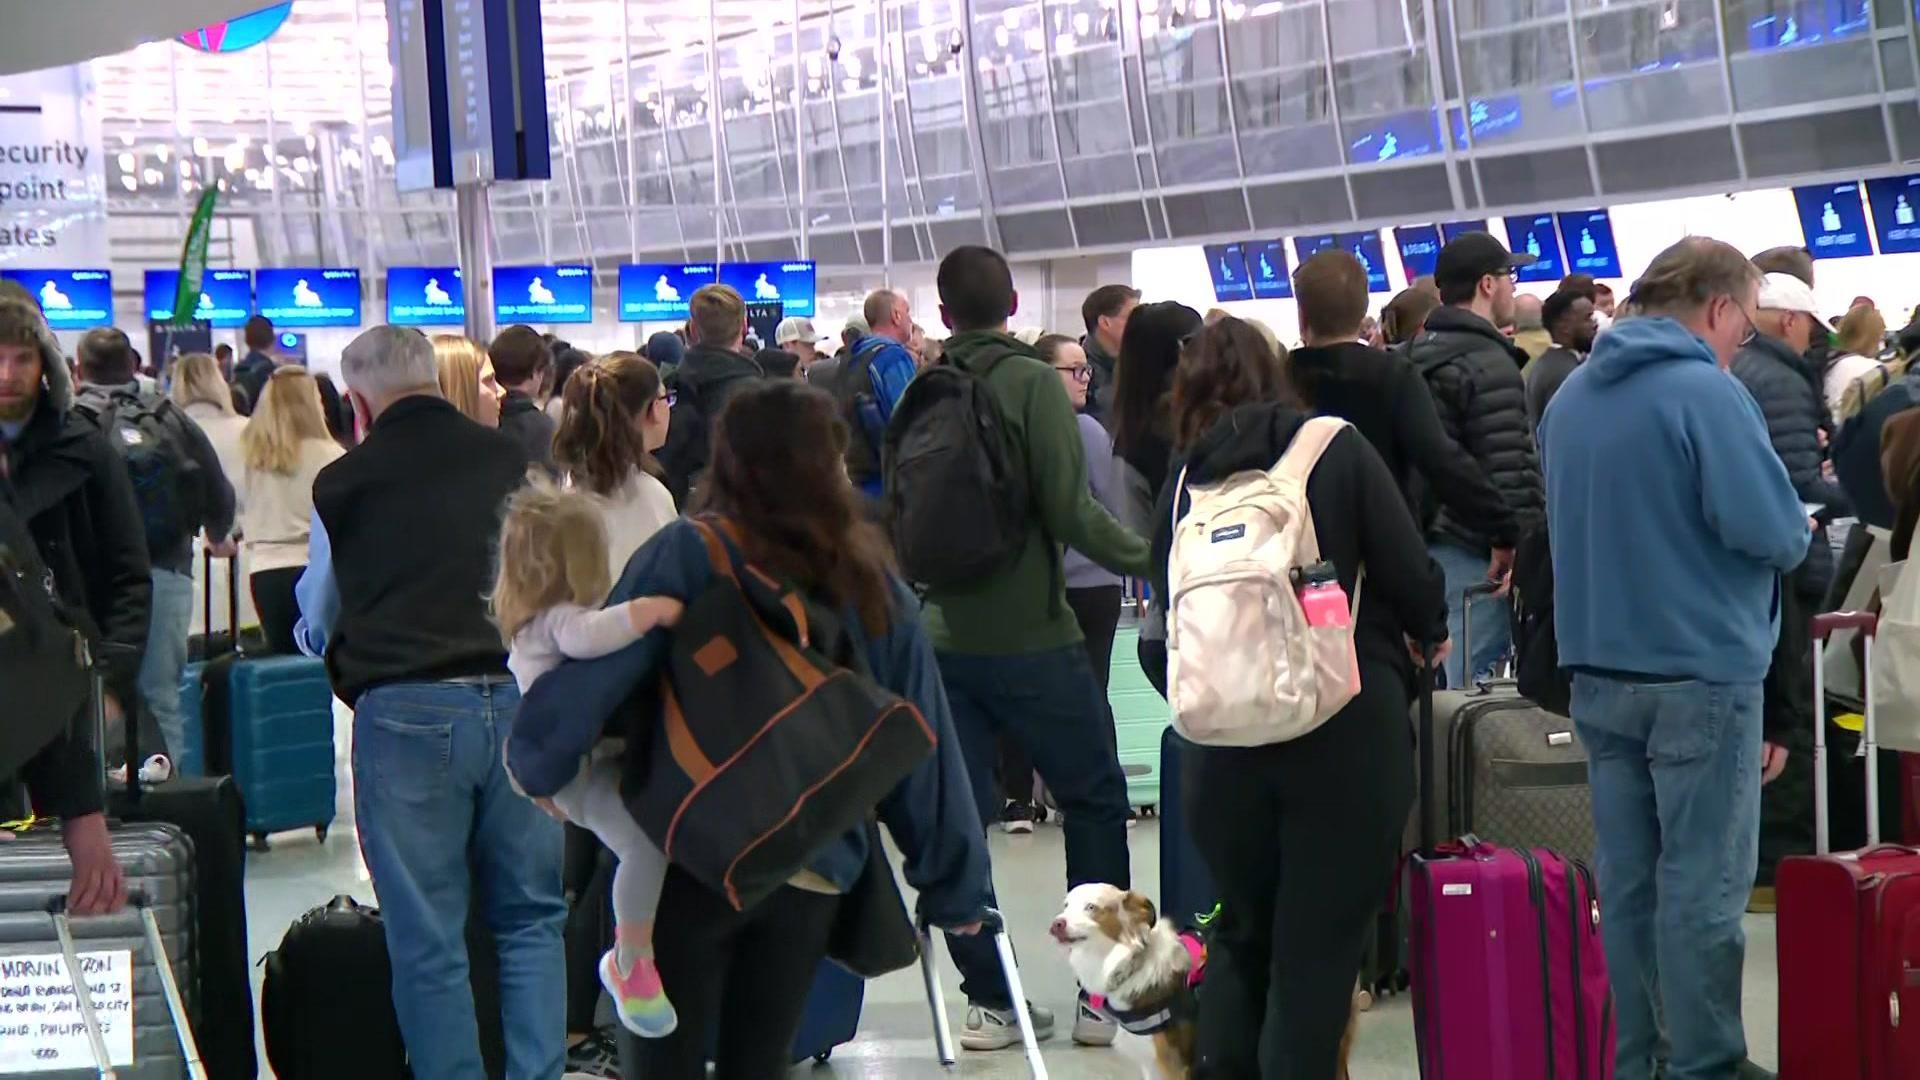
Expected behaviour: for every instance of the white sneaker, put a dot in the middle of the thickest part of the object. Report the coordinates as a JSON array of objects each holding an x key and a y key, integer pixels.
[{"x": 997, "y": 1029}]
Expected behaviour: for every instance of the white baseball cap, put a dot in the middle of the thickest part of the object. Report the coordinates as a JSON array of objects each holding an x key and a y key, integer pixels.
[
  {"x": 1784, "y": 292},
  {"x": 795, "y": 328}
]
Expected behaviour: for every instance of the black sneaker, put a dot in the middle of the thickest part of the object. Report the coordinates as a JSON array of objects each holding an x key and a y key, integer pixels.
[
  {"x": 1017, "y": 817},
  {"x": 596, "y": 1056}
]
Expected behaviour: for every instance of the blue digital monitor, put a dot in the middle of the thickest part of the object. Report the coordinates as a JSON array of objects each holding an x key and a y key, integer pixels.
[
  {"x": 1535, "y": 235},
  {"x": 1391, "y": 138},
  {"x": 1487, "y": 118},
  {"x": 1589, "y": 239},
  {"x": 1267, "y": 267},
  {"x": 1454, "y": 230},
  {"x": 658, "y": 292},
  {"x": 1227, "y": 266},
  {"x": 1419, "y": 249},
  {"x": 1834, "y": 221},
  {"x": 1896, "y": 212},
  {"x": 71, "y": 299},
  {"x": 1306, "y": 247},
  {"x": 226, "y": 297},
  {"x": 543, "y": 294},
  {"x": 426, "y": 296},
  {"x": 1366, "y": 247},
  {"x": 789, "y": 284},
  {"x": 308, "y": 295}
]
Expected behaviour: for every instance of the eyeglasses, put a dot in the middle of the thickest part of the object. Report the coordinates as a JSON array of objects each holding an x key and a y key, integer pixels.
[
  {"x": 672, "y": 396},
  {"x": 1079, "y": 372}
]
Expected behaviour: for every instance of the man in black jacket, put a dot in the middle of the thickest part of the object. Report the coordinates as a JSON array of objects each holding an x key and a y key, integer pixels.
[
  {"x": 1384, "y": 396},
  {"x": 250, "y": 375},
  {"x": 713, "y": 370},
  {"x": 1105, "y": 313},
  {"x": 394, "y": 594},
  {"x": 1474, "y": 372},
  {"x": 63, "y": 480},
  {"x": 521, "y": 361},
  {"x": 1775, "y": 370},
  {"x": 1568, "y": 316},
  {"x": 107, "y": 384}
]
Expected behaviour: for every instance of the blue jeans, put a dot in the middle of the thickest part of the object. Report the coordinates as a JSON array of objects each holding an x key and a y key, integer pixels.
[
  {"x": 1492, "y": 631},
  {"x": 440, "y": 826},
  {"x": 168, "y": 626},
  {"x": 1050, "y": 704},
  {"x": 1675, "y": 769}
]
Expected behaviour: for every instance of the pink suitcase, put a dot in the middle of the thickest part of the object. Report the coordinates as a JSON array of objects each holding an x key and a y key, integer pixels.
[{"x": 1509, "y": 981}]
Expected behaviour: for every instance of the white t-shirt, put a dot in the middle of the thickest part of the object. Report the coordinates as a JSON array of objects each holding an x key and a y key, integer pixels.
[
  {"x": 633, "y": 513},
  {"x": 277, "y": 510},
  {"x": 1841, "y": 373}
]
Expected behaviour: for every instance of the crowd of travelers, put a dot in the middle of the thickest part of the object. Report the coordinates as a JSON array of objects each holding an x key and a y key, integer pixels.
[{"x": 466, "y": 523}]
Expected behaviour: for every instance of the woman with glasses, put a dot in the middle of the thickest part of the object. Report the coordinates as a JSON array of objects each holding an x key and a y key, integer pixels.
[{"x": 1093, "y": 592}]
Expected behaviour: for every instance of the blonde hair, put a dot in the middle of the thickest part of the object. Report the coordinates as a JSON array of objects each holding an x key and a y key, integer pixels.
[
  {"x": 458, "y": 360},
  {"x": 1865, "y": 388},
  {"x": 196, "y": 379},
  {"x": 288, "y": 414},
  {"x": 1863, "y": 331},
  {"x": 553, "y": 550}
]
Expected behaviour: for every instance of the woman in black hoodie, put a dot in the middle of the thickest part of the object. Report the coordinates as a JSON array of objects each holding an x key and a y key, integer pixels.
[{"x": 1301, "y": 836}]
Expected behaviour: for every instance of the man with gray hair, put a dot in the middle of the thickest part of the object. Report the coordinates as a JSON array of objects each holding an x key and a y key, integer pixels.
[
  {"x": 869, "y": 383},
  {"x": 1672, "y": 523},
  {"x": 394, "y": 597}
]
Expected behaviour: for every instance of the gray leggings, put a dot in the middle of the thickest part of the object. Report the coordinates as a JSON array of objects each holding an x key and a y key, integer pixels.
[{"x": 592, "y": 801}]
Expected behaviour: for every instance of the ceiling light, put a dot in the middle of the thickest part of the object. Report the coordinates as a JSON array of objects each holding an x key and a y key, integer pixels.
[
  {"x": 1082, "y": 23},
  {"x": 151, "y": 177},
  {"x": 1035, "y": 39},
  {"x": 186, "y": 167},
  {"x": 1002, "y": 36},
  {"x": 200, "y": 147},
  {"x": 129, "y": 183},
  {"x": 125, "y": 161}
]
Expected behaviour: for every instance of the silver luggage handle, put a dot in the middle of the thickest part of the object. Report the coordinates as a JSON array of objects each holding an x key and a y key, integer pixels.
[
  {"x": 169, "y": 987},
  {"x": 996, "y": 925},
  {"x": 1823, "y": 628}
]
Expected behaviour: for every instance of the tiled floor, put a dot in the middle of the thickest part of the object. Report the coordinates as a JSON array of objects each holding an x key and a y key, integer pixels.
[{"x": 895, "y": 1033}]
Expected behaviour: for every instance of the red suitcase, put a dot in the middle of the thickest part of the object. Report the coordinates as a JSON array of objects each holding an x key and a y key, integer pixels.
[{"x": 1848, "y": 929}]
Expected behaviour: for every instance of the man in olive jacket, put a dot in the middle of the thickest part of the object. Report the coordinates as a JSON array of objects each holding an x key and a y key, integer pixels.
[{"x": 1009, "y": 649}]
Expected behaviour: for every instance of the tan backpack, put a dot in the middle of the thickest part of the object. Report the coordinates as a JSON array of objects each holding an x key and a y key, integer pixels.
[{"x": 1244, "y": 667}]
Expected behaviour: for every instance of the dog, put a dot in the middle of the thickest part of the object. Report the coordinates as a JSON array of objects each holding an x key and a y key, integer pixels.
[{"x": 1143, "y": 973}]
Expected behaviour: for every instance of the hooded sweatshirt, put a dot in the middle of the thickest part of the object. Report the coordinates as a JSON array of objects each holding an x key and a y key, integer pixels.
[{"x": 1672, "y": 517}]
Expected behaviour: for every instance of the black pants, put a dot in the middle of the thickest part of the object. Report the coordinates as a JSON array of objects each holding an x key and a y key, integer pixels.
[
  {"x": 273, "y": 601},
  {"x": 740, "y": 976},
  {"x": 588, "y": 878},
  {"x": 1097, "y": 610},
  {"x": 1302, "y": 839}
]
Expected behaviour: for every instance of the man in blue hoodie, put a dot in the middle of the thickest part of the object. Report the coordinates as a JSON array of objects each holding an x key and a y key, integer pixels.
[{"x": 1673, "y": 521}]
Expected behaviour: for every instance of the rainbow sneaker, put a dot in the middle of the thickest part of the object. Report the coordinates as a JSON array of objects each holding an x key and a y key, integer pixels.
[{"x": 638, "y": 998}]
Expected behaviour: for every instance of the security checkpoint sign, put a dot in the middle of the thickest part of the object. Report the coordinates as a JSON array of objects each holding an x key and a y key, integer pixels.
[{"x": 40, "y": 1026}]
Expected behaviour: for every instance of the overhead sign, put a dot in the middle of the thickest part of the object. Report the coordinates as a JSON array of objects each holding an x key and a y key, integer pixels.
[
  {"x": 40, "y": 1026},
  {"x": 70, "y": 299},
  {"x": 1896, "y": 212},
  {"x": 425, "y": 296},
  {"x": 1454, "y": 230},
  {"x": 1267, "y": 267},
  {"x": 658, "y": 292},
  {"x": 308, "y": 296},
  {"x": 1227, "y": 266},
  {"x": 1419, "y": 249},
  {"x": 789, "y": 284},
  {"x": 226, "y": 297},
  {"x": 469, "y": 92},
  {"x": 52, "y": 173},
  {"x": 1365, "y": 246},
  {"x": 1833, "y": 220},
  {"x": 1588, "y": 235},
  {"x": 1535, "y": 235},
  {"x": 543, "y": 294},
  {"x": 1306, "y": 247}
]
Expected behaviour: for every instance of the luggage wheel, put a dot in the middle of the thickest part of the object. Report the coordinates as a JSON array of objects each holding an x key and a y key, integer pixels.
[
  {"x": 261, "y": 843},
  {"x": 821, "y": 1057},
  {"x": 1150, "y": 810},
  {"x": 320, "y": 833}
]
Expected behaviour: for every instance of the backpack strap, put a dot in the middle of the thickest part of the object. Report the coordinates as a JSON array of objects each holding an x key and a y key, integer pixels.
[
  {"x": 1304, "y": 452},
  {"x": 721, "y": 537}
]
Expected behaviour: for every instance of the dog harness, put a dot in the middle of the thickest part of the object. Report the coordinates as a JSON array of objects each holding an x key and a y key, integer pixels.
[{"x": 1183, "y": 1007}]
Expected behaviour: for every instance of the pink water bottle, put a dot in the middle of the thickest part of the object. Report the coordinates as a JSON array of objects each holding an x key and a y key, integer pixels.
[{"x": 1324, "y": 601}]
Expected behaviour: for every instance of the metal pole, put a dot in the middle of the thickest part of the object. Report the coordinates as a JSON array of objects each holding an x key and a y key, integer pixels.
[
  {"x": 800, "y": 134},
  {"x": 1437, "y": 86},
  {"x": 881, "y": 120},
  {"x": 627, "y": 112},
  {"x": 714, "y": 136},
  {"x": 976, "y": 138},
  {"x": 1726, "y": 84},
  {"x": 473, "y": 216}
]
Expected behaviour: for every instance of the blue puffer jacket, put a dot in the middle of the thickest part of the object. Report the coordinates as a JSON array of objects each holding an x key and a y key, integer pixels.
[{"x": 931, "y": 814}]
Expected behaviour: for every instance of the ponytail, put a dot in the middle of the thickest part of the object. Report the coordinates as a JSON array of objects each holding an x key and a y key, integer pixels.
[{"x": 599, "y": 441}]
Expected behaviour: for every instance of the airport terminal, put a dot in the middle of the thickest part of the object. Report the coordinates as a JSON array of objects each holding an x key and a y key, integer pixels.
[{"x": 538, "y": 539}]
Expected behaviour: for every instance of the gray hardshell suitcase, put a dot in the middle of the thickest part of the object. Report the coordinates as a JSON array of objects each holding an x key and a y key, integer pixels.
[
  {"x": 155, "y": 928},
  {"x": 1509, "y": 771}
]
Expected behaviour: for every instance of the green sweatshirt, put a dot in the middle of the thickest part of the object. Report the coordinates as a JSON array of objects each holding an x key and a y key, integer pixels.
[{"x": 1022, "y": 607}]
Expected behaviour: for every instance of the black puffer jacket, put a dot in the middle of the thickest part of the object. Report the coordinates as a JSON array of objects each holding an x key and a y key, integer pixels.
[
  {"x": 1474, "y": 373},
  {"x": 1785, "y": 387}
]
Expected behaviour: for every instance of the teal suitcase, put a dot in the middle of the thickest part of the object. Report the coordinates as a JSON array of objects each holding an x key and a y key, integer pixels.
[{"x": 1140, "y": 717}]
